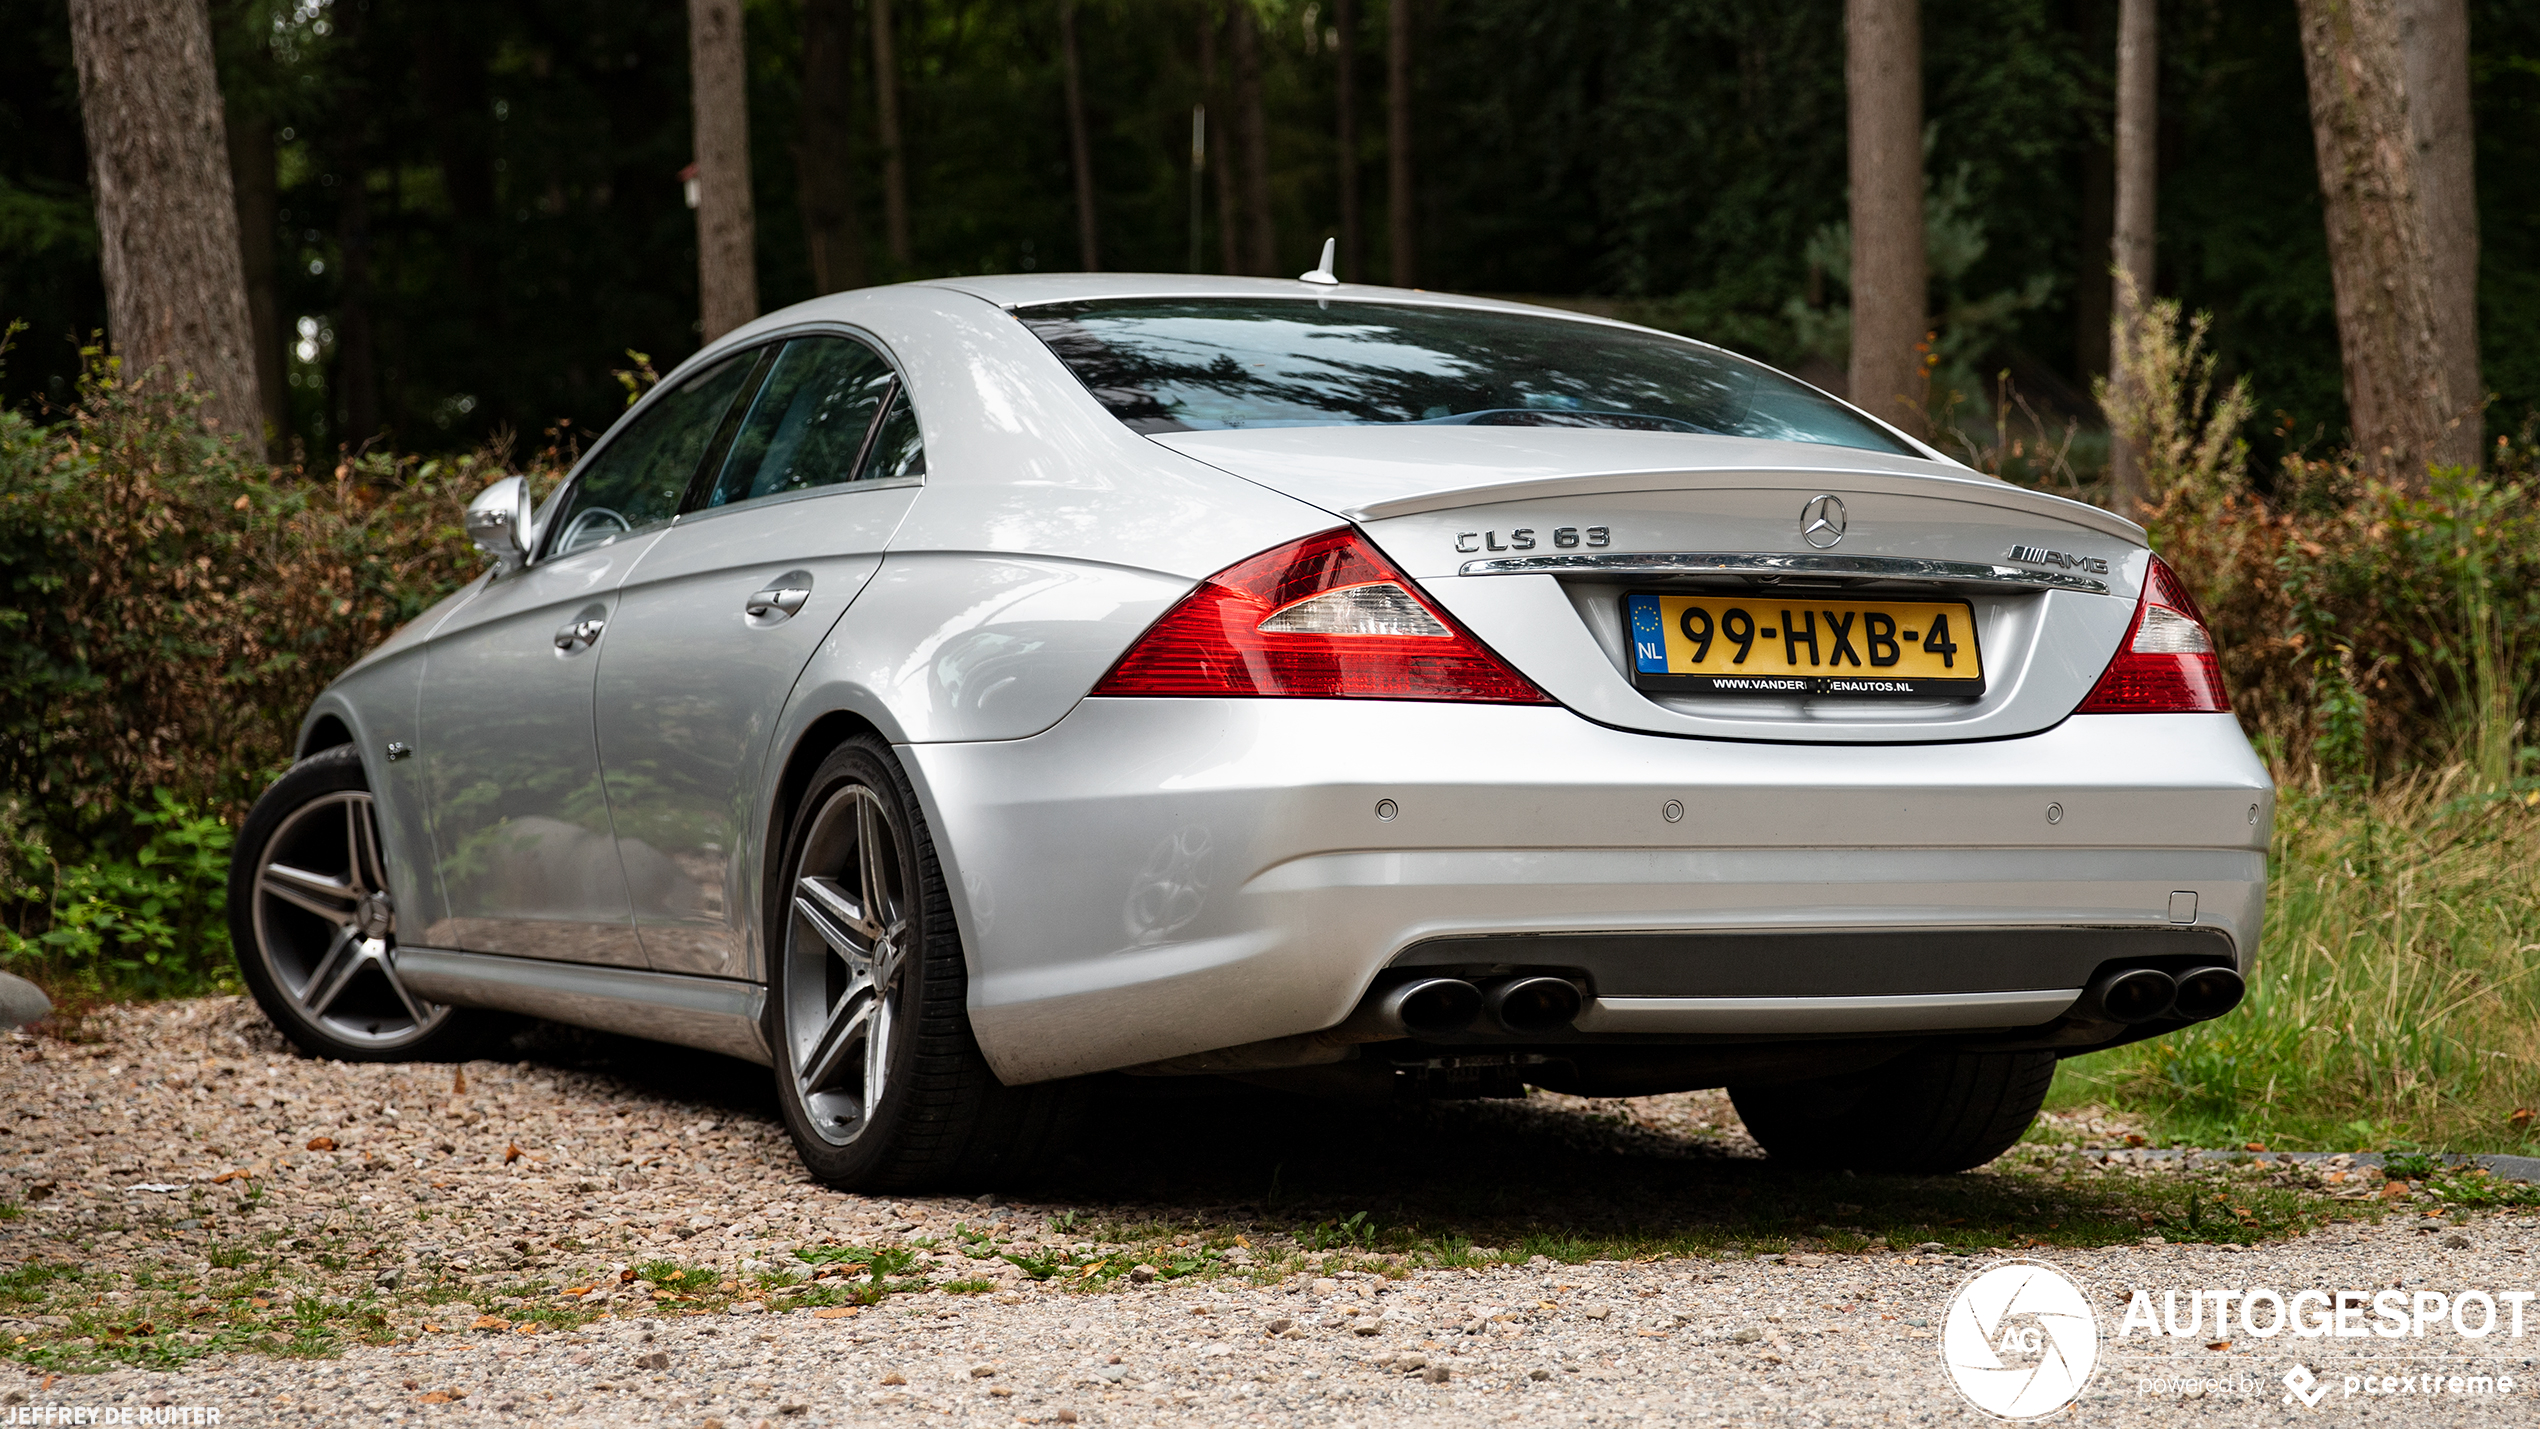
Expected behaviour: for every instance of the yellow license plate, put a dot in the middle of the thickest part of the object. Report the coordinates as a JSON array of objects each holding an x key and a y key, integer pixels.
[{"x": 1775, "y": 645}]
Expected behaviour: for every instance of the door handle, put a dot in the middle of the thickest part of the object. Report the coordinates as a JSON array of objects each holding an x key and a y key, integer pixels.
[
  {"x": 780, "y": 600},
  {"x": 575, "y": 635}
]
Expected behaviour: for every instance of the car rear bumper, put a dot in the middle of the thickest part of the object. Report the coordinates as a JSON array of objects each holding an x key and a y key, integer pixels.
[{"x": 1153, "y": 878}]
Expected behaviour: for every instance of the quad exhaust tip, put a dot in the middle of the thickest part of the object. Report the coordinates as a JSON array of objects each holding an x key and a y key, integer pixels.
[
  {"x": 1432, "y": 1007},
  {"x": 2143, "y": 994},
  {"x": 2209, "y": 992},
  {"x": 1533, "y": 1004}
]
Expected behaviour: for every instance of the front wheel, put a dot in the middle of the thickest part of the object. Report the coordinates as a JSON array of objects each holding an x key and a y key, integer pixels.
[
  {"x": 882, "y": 1084},
  {"x": 1928, "y": 1113},
  {"x": 314, "y": 926}
]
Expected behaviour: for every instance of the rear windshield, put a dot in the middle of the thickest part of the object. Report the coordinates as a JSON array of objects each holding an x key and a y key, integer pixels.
[{"x": 1209, "y": 364}]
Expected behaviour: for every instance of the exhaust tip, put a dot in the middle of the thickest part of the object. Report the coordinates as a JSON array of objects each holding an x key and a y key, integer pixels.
[
  {"x": 2135, "y": 994},
  {"x": 1435, "y": 1007},
  {"x": 1534, "y": 1004},
  {"x": 2209, "y": 992}
]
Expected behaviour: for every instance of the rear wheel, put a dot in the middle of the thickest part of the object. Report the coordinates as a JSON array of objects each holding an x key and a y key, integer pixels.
[
  {"x": 882, "y": 1084},
  {"x": 314, "y": 925},
  {"x": 1929, "y": 1113}
]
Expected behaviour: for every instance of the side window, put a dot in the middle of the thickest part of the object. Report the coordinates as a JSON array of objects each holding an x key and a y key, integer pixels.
[
  {"x": 896, "y": 449},
  {"x": 808, "y": 422},
  {"x": 639, "y": 478}
]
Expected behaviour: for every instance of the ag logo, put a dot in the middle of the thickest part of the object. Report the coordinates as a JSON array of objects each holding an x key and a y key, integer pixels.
[{"x": 2020, "y": 1340}]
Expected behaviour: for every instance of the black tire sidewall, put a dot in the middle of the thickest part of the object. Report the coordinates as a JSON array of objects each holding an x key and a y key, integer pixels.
[
  {"x": 330, "y": 771},
  {"x": 878, "y": 1155}
]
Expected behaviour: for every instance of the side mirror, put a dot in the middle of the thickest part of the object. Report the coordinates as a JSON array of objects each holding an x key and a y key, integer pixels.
[{"x": 498, "y": 522}]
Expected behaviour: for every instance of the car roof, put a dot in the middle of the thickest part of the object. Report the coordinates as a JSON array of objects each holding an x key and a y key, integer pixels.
[{"x": 1015, "y": 290}]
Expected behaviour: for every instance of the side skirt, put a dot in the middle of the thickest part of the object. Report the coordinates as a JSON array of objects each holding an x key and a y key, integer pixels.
[{"x": 711, "y": 1014}]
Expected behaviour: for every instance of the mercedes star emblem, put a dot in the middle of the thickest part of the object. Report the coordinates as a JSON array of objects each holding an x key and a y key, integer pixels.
[{"x": 1821, "y": 521}]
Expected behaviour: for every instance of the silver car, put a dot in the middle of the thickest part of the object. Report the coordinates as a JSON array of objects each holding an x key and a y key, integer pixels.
[{"x": 945, "y": 693}]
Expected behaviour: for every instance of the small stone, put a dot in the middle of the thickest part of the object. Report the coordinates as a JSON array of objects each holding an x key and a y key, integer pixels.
[
  {"x": 656, "y": 1360},
  {"x": 790, "y": 1410},
  {"x": 1066, "y": 1416},
  {"x": 1930, "y": 1247},
  {"x": 1747, "y": 1336},
  {"x": 1142, "y": 1274},
  {"x": 390, "y": 1278},
  {"x": 2456, "y": 1241},
  {"x": 1409, "y": 1362},
  {"x": 895, "y": 1377},
  {"x": 1437, "y": 1374},
  {"x": 1327, "y": 1287},
  {"x": 983, "y": 1371},
  {"x": 1365, "y": 1327},
  {"x": 1538, "y": 1374},
  {"x": 1277, "y": 1327},
  {"x": 1600, "y": 1312}
]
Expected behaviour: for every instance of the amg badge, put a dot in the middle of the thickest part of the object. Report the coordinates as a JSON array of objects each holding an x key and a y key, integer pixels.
[{"x": 2060, "y": 560}]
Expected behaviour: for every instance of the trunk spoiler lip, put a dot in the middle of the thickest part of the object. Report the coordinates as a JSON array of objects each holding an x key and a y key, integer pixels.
[
  {"x": 1740, "y": 465},
  {"x": 1772, "y": 565}
]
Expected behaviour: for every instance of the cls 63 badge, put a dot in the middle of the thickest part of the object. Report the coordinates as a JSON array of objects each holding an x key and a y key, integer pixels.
[{"x": 1524, "y": 539}]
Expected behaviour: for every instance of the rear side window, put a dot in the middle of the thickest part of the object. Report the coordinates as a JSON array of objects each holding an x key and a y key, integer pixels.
[
  {"x": 896, "y": 449},
  {"x": 808, "y": 423},
  {"x": 1202, "y": 364},
  {"x": 638, "y": 479}
]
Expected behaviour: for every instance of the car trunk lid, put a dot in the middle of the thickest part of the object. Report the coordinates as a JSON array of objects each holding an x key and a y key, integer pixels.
[{"x": 1545, "y": 542}]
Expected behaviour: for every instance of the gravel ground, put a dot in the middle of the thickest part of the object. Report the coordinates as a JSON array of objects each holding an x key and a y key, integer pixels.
[{"x": 493, "y": 1243}]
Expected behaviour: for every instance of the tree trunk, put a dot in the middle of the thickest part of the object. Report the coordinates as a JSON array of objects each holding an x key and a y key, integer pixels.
[
  {"x": 1252, "y": 144},
  {"x": 1883, "y": 80},
  {"x": 886, "y": 112},
  {"x": 2138, "y": 181},
  {"x": 823, "y": 169},
  {"x": 727, "y": 227},
  {"x": 167, "y": 220},
  {"x": 252, "y": 174},
  {"x": 2398, "y": 393},
  {"x": 1345, "y": 58},
  {"x": 1229, "y": 259},
  {"x": 356, "y": 378},
  {"x": 1079, "y": 148},
  {"x": 2434, "y": 48},
  {"x": 1398, "y": 200}
]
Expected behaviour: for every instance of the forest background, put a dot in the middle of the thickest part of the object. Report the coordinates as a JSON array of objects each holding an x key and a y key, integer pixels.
[{"x": 465, "y": 238}]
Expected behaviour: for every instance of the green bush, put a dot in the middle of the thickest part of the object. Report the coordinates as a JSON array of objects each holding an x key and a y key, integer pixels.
[{"x": 171, "y": 609}]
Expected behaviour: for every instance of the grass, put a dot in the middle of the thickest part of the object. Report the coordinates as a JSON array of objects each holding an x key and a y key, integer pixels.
[{"x": 2397, "y": 1001}]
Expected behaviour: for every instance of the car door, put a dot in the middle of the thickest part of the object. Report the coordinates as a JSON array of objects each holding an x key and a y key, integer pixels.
[
  {"x": 519, "y": 818},
  {"x": 720, "y": 617}
]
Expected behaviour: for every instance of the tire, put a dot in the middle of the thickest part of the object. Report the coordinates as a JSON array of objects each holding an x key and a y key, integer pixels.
[
  {"x": 313, "y": 924},
  {"x": 883, "y": 1086},
  {"x": 1929, "y": 1113}
]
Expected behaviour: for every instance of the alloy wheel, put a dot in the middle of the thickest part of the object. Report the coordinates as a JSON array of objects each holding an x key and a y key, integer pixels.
[
  {"x": 326, "y": 926},
  {"x": 846, "y": 962}
]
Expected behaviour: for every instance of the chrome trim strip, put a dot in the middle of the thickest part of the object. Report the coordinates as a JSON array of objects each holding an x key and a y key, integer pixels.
[
  {"x": 1913, "y": 1012},
  {"x": 1771, "y": 563},
  {"x": 712, "y": 1014}
]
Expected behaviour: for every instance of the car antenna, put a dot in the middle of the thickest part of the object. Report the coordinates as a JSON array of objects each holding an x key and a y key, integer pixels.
[{"x": 1323, "y": 274}]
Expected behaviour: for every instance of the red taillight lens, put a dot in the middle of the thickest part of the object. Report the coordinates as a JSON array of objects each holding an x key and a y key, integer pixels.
[
  {"x": 2166, "y": 663},
  {"x": 1327, "y": 617}
]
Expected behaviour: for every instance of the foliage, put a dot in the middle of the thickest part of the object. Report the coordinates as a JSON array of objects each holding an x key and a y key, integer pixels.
[
  {"x": 172, "y": 609},
  {"x": 2186, "y": 436},
  {"x": 149, "y": 925},
  {"x": 2398, "y": 996}
]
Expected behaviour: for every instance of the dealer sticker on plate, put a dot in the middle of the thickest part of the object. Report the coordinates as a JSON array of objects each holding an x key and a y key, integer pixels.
[{"x": 1776, "y": 646}]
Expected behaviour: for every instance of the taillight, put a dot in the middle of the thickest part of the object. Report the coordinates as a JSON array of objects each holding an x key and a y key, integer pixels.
[
  {"x": 1327, "y": 617},
  {"x": 2166, "y": 663}
]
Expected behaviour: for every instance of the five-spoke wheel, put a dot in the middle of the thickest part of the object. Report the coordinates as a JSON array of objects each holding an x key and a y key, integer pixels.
[
  {"x": 880, "y": 1080},
  {"x": 314, "y": 924},
  {"x": 846, "y": 950}
]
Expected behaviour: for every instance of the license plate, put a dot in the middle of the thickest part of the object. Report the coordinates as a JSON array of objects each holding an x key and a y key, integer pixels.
[{"x": 1772, "y": 645}]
